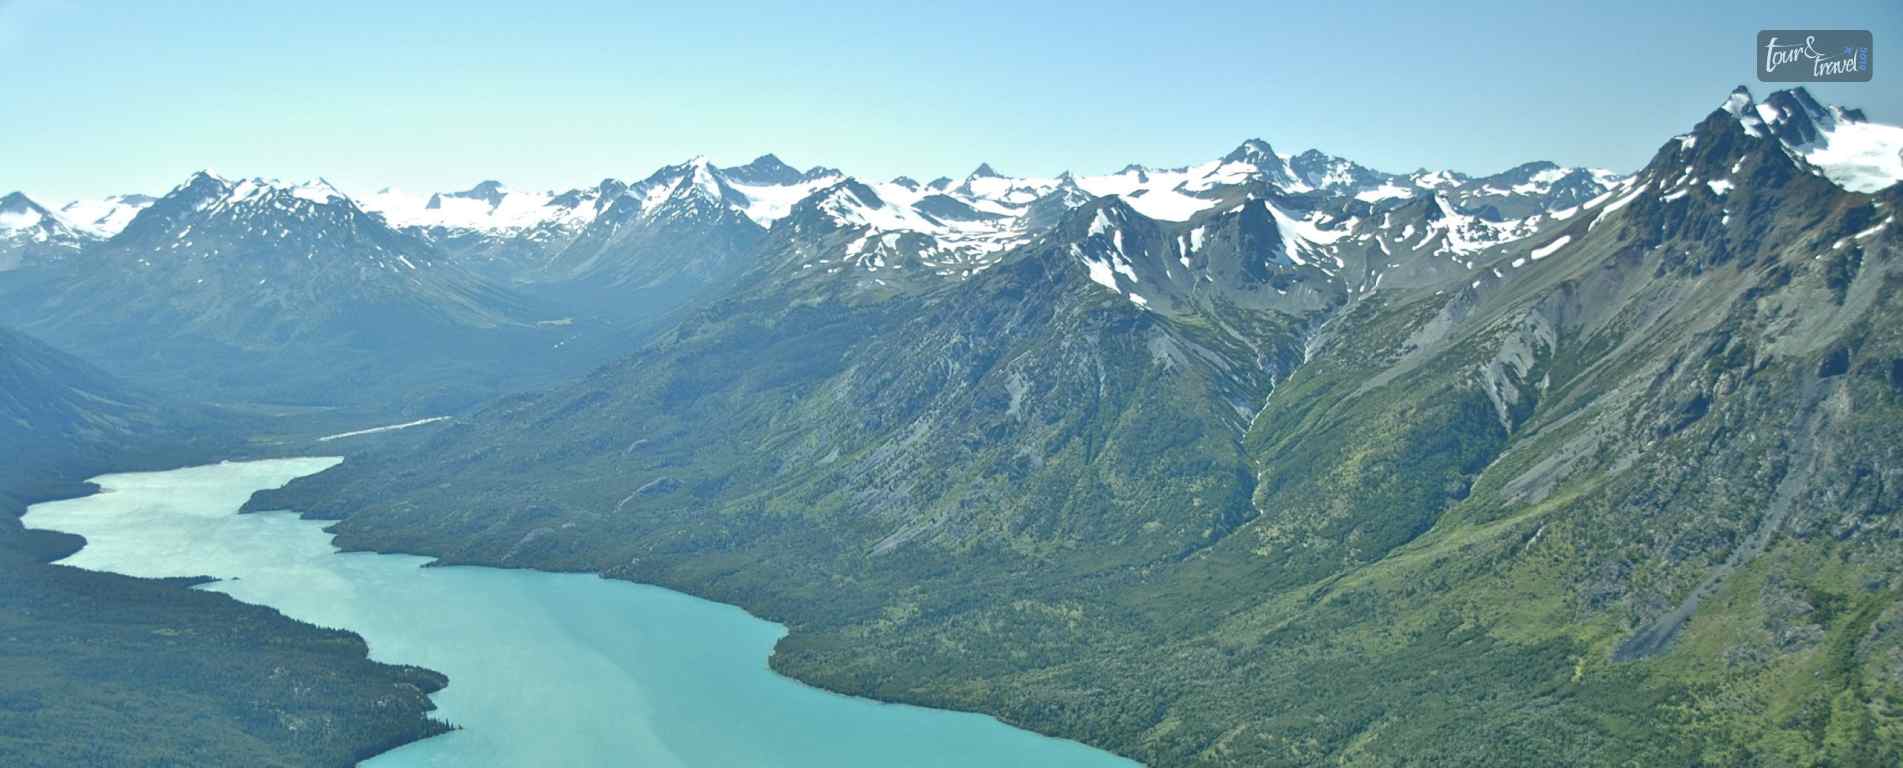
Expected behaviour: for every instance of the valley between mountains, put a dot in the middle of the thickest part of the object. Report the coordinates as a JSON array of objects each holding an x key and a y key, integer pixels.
[{"x": 1262, "y": 461}]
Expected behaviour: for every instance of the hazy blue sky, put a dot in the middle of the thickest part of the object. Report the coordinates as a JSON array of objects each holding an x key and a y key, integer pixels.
[{"x": 109, "y": 96}]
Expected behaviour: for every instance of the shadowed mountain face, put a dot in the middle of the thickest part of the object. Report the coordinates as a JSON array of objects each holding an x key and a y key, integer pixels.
[{"x": 57, "y": 411}]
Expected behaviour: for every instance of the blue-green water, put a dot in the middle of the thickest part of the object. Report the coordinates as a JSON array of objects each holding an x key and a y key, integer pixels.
[{"x": 545, "y": 669}]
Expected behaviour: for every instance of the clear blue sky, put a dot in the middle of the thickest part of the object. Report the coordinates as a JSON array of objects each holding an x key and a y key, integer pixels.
[{"x": 112, "y": 95}]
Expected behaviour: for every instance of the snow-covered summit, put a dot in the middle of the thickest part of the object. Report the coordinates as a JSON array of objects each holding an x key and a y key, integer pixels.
[
  {"x": 21, "y": 217},
  {"x": 1842, "y": 143}
]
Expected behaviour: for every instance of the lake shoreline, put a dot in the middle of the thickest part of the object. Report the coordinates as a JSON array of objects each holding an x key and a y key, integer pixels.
[
  {"x": 773, "y": 664},
  {"x": 168, "y": 617},
  {"x": 770, "y": 634}
]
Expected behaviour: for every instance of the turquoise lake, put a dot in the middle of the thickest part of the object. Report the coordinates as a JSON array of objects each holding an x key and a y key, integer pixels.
[{"x": 545, "y": 669}]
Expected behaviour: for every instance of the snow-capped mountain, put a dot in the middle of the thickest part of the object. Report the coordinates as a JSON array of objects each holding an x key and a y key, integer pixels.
[
  {"x": 1516, "y": 193},
  {"x": 771, "y": 187},
  {"x": 601, "y": 236},
  {"x": 31, "y": 235},
  {"x": 1165, "y": 194},
  {"x": 1839, "y": 142},
  {"x": 243, "y": 280},
  {"x": 881, "y": 235},
  {"x": 635, "y": 248},
  {"x": 267, "y": 222},
  {"x": 1528, "y": 190},
  {"x": 1341, "y": 176},
  {"x": 952, "y": 228},
  {"x": 1283, "y": 223},
  {"x": 1706, "y": 196},
  {"x": 860, "y": 238},
  {"x": 683, "y": 226}
]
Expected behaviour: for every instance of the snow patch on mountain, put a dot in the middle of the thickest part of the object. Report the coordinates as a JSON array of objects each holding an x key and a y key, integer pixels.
[
  {"x": 768, "y": 203},
  {"x": 1302, "y": 239},
  {"x": 1548, "y": 249},
  {"x": 511, "y": 211},
  {"x": 14, "y": 221},
  {"x": 1858, "y": 156},
  {"x": 104, "y": 217}
]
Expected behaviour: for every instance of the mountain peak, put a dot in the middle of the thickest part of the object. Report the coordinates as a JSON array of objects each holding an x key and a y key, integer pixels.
[
  {"x": 845, "y": 203},
  {"x": 984, "y": 171},
  {"x": 1534, "y": 167},
  {"x": 768, "y": 162},
  {"x": 321, "y": 191},
  {"x": 766, "y": 169},
  {"x": 1250, "y": 151},
  {"x": 489, "y": 191},
  {"x": 1855, "y": 154},
  {"x": 861, "y": 193},
  {"x": 201, "y": 187},
  {"x": 485, "y": 188},
  {"x": 818, "y": 172},
  {"x": 17, "y": 202}
]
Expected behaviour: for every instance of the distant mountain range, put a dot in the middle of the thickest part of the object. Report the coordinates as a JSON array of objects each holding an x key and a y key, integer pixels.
[
  {"x": 253, "y": 289},
  {"x": 515, "y": 226},
  {"x": 1261, "y": 461}
]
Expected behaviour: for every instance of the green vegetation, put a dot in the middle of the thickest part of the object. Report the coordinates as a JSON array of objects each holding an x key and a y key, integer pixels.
[
  {"x": 1634, "y": 506},
  {"x": 104, "y": 670}
]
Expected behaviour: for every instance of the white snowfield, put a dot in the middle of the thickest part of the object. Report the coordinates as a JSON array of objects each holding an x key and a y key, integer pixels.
[
  {"x": 517, "y": 210},
  {"x": 14, "y": 221},
  {"x": 104, "y": 217},
  {"x": 1858, "y": 156}
]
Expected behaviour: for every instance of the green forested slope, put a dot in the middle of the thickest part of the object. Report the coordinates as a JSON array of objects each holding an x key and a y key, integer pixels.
[
  {"x": 104, "y": 670},
  {"x": 1622, "y": 500}
]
